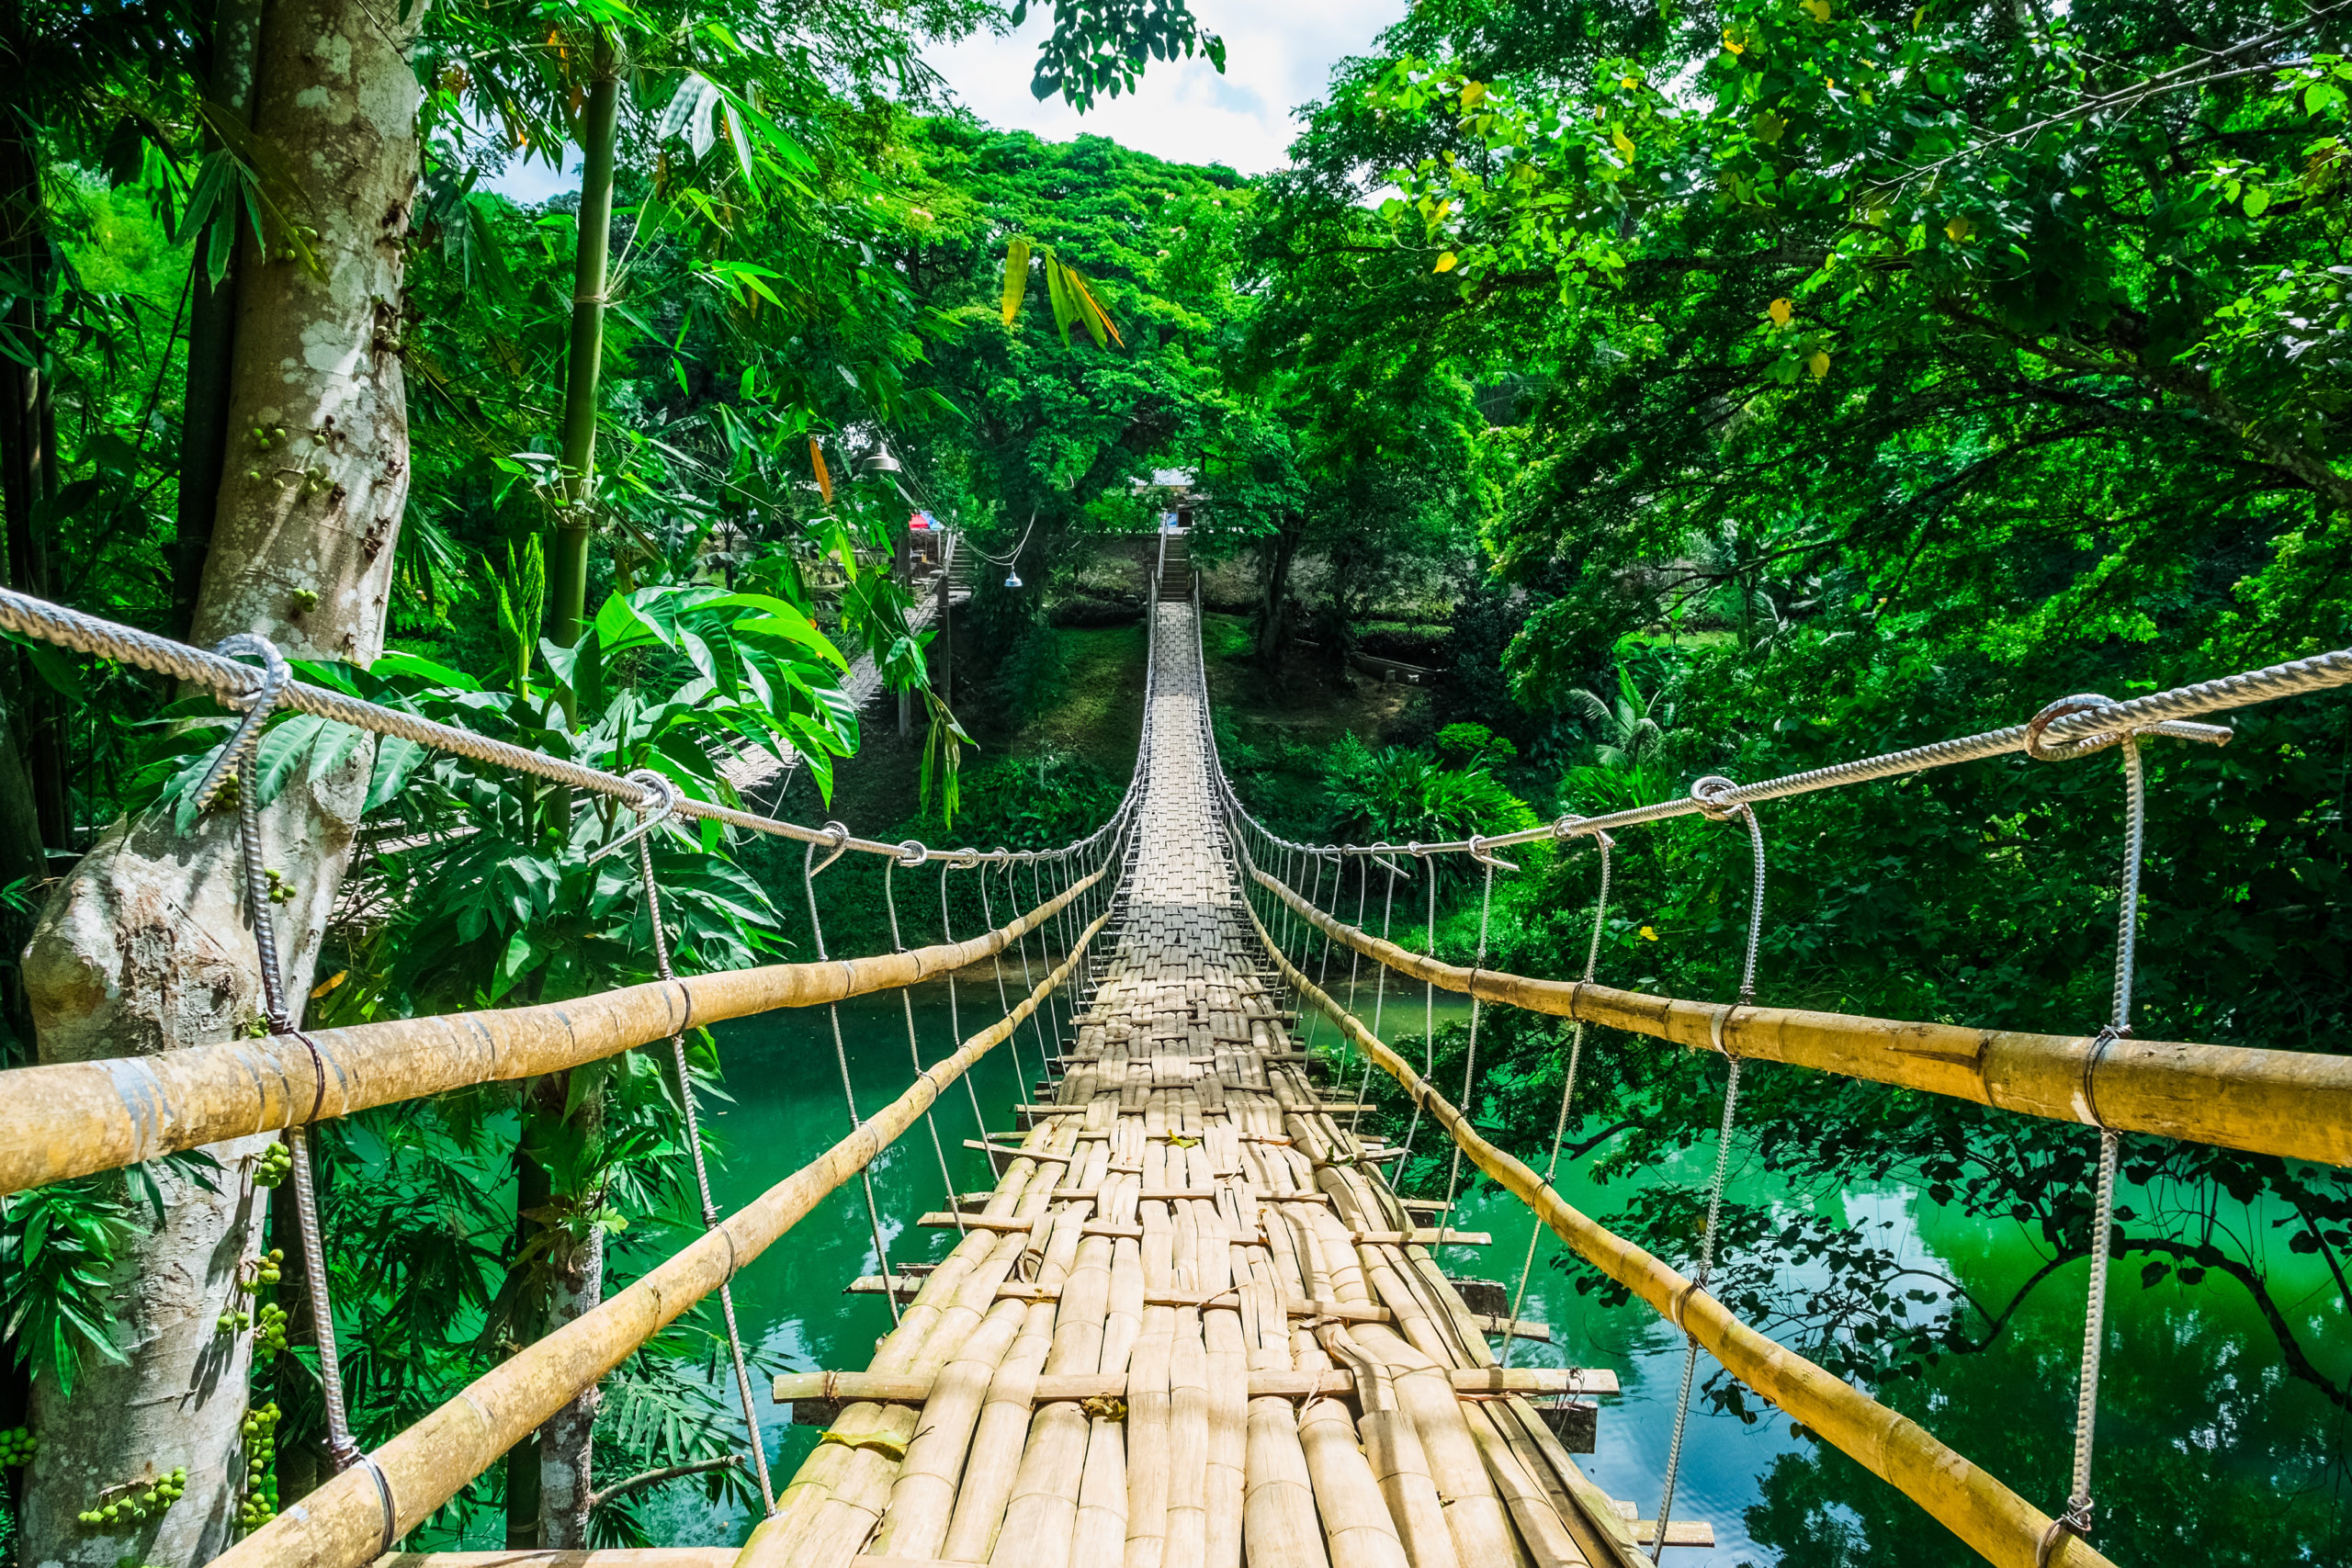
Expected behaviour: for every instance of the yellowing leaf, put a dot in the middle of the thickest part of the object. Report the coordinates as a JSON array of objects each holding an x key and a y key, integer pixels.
[
  {"x": 1016, "y": 277},
  {"x": 1648, "y": 935},
  {"x": 1818, "y": 362},
  {"x": 1472, "y": 94},
  {"x": 1781, "y": 311},
  {"x": 1767, "y": 127},
  {"x": 1959, "y": 230},
  {"x": 1445, "y": 262},
  {"x": 1735, "y": 42},
  {"x": 1624, "y": 145},
  {"x": 1818, "y": 10},
  {"x": 1631, "y": 83},
  {"x": 329, "y": 984},
  {"x": 824, "y": 475}
]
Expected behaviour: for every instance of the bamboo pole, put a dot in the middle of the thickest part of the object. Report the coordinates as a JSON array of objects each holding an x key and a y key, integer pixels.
[
  {"x": 71, "y": 1119},
  {"x": 343, "y": 1524},
  {"x": 2297, "y": 1104},
  {"x": 1968, "y": 1501}
]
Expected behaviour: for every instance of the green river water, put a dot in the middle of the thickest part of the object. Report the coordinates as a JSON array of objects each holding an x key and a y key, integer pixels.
[{"x": 2209, "y": 1452}]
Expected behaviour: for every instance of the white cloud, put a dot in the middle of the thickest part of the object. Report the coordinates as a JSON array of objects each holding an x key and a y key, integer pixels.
[{"x": 1279, "y": 54}]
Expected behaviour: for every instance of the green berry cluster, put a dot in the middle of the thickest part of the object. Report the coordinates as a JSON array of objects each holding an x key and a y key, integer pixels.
[
  {"x": 267, "y": 1273},
  {"x": 233, "y": 1320},
  {"x": 276, "y": 1162},
  {"x": 280, "y": 890},
  {"x": 269, "y": 1332},
  {"x": 136, "y": 1500},
  {"x": 17, "y": 1447},
  {"x": 259, "y": 1505}
]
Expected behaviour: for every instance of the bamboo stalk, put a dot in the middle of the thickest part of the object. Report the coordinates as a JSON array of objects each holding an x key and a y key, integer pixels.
[
  {"x": 1970, "y": 1502},
  {"x": 70, "y": 1119},
  {"x": 1357, "y": 1527},
  {"x": 341, "y": 1524},
  {"x": 2297, "y": 1104}
]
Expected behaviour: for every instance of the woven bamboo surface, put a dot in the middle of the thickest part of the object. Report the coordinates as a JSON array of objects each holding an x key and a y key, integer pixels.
[{"x": 1184, "y": 1078}]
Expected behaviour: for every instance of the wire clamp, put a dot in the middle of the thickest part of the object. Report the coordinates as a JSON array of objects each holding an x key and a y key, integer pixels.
[
  {"x": 1709, "y": 792},
  {"x": 913, "y": 853}
]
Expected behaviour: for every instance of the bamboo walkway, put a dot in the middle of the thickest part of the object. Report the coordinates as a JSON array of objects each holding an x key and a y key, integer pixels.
[{"x": 1192, "y": 1326}]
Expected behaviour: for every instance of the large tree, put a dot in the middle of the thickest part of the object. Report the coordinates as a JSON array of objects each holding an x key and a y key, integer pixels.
[{"x": 147, "y": 947}]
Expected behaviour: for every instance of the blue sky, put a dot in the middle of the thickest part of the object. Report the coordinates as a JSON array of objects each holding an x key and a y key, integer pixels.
[{"x": 1279, "y": 54}]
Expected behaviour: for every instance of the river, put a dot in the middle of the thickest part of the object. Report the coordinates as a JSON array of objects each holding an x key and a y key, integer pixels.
[{"x": 2209, "y": 1452}]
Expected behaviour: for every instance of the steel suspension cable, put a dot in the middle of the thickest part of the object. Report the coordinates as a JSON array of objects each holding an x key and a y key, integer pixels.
[
  {"x": 1346, "y": 1041},
  {"x": 1701, "y": 791},
  {"x": 809, "y": 868},
  {"x": 1036, "y": 1024},
  {"x": 702, "y": 1173},
  {"x": 1004, "y": 1001},
  {"x": 914, "y": 1051},
  {"x": 1567, "y": 1094}
]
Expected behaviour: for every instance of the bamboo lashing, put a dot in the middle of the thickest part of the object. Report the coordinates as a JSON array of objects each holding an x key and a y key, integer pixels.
[
  {"x": 2297, "y": 1104},
  {"x": 1968, "y": 1501},
  {"x": 72, "y": 1119},
  {"x": 341, "y": 1524}
]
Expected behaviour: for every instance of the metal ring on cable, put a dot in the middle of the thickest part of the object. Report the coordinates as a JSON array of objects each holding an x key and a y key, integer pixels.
[
  {"x": 383, "y": 1490},
  {"x": 913, "y": 853},
  {"x": 277, "y": 675},
  {"x": 839, "y": 833},
  {"x": 963, "y": 858},
  {"x": 1704, "y": 791},
  {"x": 2065, "y": 707},
  {"x": 659, "y": 810},
  {"x": 2091, "y": 1064}
]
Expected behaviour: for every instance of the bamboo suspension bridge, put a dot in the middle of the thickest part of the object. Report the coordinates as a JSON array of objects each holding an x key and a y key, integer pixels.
[{"x": 1192, "y": 1326}]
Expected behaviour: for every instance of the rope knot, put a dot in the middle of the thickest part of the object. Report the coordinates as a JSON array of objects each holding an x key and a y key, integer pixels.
[
  {"x": 1709, "y": 792},
  {"x": 2042, "y": 751},
  {"x": 913, "y": 853},
  {"x": 258, "y": 703}
]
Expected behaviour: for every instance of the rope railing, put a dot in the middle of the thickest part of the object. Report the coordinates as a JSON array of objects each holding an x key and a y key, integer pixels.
[
  {"x": 357, "y": 1516},
  {"x": 2071, "y": 728},
  {"x": 245, "y": 686},
  {"x": 1970, "y": 1502},
  {"x": 2293, "y": 1103}
]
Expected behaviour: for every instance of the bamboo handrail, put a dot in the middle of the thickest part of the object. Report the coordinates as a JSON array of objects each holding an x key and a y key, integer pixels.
[
  {"x": 1970, "y": 1502},
  {"x": 342, "y": 1525},
  {"x": 2297, "y": 1104},
  {"x": 71, "y": 1119}
]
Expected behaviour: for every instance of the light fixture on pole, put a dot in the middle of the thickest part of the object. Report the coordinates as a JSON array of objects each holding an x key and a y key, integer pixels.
[
  {"x": 1012, "y": 580},
  {"x": 880, "y": 461}
]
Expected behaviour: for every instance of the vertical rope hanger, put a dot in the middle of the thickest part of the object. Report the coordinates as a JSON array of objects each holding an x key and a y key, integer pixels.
[
  {"x": 1429, "y": 1011},
  {"x": 1379, "y": 996},
  {"x": 236, "y": 757},
  {"x": 955, "y": 1017},
  {"x": 648, "y": 818},
  {"x": 2076, "y": 1518},
  {"x": 913, "y": 853},
  {"x": 1470, "y": 1058},
  {"x": 1704, "y": 790},
  {"x": 1036, "y": 1024},
  {"x": 1004, "y": 1001},
  {"x": 1347, "y": 1040},
  {"x": 808, "y": 870},
  {"x": 1567, "y": 1094}
]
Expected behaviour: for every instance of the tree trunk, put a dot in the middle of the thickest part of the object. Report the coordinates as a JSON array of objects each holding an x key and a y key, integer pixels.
[
  {"x": 1273, "y": 625},
  {"x": 599, "y": 126},
  {"x": 575, "y": 1285},
  {"x": 146, "y": 947},
  {"x": 28, "y": 475},
  {"x": 204, "y": 439}
]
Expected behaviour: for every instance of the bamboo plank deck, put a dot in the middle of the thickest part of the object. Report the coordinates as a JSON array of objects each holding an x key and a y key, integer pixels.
[{"x": 1123, "y": 1358}]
